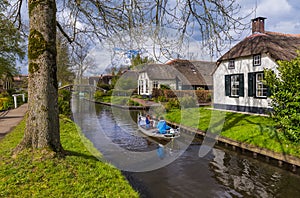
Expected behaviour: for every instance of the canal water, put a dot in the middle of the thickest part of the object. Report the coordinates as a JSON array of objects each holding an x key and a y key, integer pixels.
[{"x": 175, "y": 170}]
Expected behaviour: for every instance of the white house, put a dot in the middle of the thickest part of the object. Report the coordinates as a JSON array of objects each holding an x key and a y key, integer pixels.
[
  {"x": 238, "y": 77},
  {"x": 176, "y": 74},
  {"x": 155, "y": 75}
]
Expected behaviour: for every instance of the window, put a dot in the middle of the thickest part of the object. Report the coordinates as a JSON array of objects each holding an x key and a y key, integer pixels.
[
  {"x": 256, "y": 60},
  {"x": 234, "y": 85},
  {"x": 256, "y": 87},
  {"x": 231, "y": 64},
  {"x": 141, "y": 86},
  {"x": 155, "y": 84},
  {"x": 147, "y": 87},
  {"x": 261, "y": 89}
]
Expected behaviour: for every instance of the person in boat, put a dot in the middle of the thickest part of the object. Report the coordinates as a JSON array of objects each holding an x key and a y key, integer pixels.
[
  {"x": 162, "y": 126},
  {"x": 148, "y": 121}
]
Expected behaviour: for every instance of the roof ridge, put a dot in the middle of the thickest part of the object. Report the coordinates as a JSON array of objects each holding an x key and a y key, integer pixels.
[{"x": 283, "y": 34}]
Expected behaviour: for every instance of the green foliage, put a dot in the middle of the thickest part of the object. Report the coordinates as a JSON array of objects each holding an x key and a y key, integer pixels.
[
  {"x": 255, "y": 130},
  {"x": 162, "y": 99},
  {"x": 41, "y": 174},
  {"x": 164, "y": 87},
  {"x": 126, "y": 84},
  {"x": 64, "y": 102},
  {"x": 188, "y": 102},
  {"x": 64, "y": 73},
  {"x": 104, "y": 86},
  {"x": 285, "y": 97},
  {"x": 11, "y": 43},
  {"x": 5, "y": 103},
  {"x": 138, "y": 60},
  {"x": 172, "y": 104},
  {"x": 98, "y": 95},
  {"x": 133, "y": 103}
]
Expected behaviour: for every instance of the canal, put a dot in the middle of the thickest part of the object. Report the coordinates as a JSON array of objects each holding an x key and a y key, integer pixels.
[{"x": 175, "y": 169}]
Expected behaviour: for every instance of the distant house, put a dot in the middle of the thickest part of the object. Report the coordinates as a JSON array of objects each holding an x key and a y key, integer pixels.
[
  {"x": 20, "y": 81},
  {"x": 238, "y": 77},
  {"x": 176, "y": 74},
  {"x": 15, "y": 82},
  {"x": 198, "y": 74},
  {"x": 102, "y": 79}
]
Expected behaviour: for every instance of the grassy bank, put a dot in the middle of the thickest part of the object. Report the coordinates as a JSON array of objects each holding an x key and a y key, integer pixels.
[
  {"x": 255, "y": 130},
  {"x": 79, "y": 174}
]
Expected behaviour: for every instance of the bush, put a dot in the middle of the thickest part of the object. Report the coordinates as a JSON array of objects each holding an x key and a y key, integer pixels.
[
  {"x": 98, "y": 95},
  {"x": 133, "y": 103},
  {"x": 173, "y": 103},
  {"x": 64, "y": 102},
  {"x": 104, "y": 86},
  {"x": 5, "y": 103},
  {"x": 162, "y": 98},
  {"x": 188, "y": 102}
]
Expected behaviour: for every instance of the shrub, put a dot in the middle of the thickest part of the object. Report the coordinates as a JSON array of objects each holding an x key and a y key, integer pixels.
[
  {"x": 98, "y": 95},
  {"x": 64, "y": 102},
  {"x": 203, "y": 95},
  {"x": 188, "y": 102},
  {"x": 5, "y": 103},
  {"x": 169, "y": 94},
  {"x": 173, "y": 103},
  {"x": 162, "y": 98}
]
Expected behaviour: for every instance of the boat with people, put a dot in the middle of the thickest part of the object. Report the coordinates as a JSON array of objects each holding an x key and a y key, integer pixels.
[{"x": 158, "y": 130}]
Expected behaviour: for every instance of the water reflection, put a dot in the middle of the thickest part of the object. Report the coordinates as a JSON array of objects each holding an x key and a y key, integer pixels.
[
  {"x": 252, "y": 178},
  {"x": 221, "y": 173}
]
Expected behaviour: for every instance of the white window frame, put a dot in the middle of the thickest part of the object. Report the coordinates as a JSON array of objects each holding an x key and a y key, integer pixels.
[
  {"x": 155, "y": 84},
  {"x": 261, "y": 90},
  {"x": 146, "y": 86},
  {"x": 235, "y": 85},
  {"x": 231, "y": 64},
  {"x": 257, "y": 60}
]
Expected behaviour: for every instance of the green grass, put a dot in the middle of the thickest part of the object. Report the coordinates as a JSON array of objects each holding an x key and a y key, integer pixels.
[
  {"x": 79, "y": 174},
  {"x": 255, "y": 130}
]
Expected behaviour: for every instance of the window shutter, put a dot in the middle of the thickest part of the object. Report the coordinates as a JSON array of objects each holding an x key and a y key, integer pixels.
[
  {"x": 251, "y": 84},
  {"x": 268, "y": 92},
  {"x": 227, "y": 85},
  {"x": 241, "y": 85}
]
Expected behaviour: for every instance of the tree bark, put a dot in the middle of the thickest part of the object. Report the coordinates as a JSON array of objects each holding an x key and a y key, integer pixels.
[{"x": 42, "y": 126}]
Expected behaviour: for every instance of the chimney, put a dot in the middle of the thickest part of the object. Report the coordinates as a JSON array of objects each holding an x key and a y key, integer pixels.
[{"x": 258, "y": 25}]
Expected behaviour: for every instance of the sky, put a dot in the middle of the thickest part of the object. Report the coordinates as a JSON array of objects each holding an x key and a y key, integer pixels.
[{"x": 282, "y": 16}]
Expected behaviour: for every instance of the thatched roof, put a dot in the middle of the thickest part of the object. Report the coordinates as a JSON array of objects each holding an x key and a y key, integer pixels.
[
  {"x": 189, "y": 72},
  {"x": 277, "y": 45},
  {"x": 159, "y": 71},
  {"x": 206, "y": 68}
]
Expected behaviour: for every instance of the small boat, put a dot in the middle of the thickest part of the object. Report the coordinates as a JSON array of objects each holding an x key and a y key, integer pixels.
[{"x": 153, "y": 132}]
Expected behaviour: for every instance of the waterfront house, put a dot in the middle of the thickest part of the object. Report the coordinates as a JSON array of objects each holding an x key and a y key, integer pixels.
[
  {"x": 176, "y": 74},
  {"x": 197, "y": 73},
  {"x": 238, "y": 77}
]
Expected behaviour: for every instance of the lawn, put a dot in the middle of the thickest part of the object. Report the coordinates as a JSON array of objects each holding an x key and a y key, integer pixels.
[
  {"x": 79, "y": 174},
  {"x": 253, "y": 129}
]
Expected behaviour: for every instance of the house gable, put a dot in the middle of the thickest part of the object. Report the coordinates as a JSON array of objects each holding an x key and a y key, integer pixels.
[{"x": 251, "y": 56}]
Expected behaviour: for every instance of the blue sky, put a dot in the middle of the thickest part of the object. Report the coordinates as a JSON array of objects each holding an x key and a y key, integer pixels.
[{"x": 282, "y": 16}]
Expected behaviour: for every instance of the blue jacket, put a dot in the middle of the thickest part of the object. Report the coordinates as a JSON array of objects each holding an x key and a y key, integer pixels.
[{"x": 162, "y": 127}]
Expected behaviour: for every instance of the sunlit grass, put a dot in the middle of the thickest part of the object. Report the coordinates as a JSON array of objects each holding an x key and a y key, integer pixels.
[
  {"x": 253, "y": 129},
  {"x": 79, "y": 174}
]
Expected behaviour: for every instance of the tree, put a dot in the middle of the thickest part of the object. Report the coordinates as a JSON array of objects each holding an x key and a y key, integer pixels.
[
  {"x": 65, "y": 75},
  {"x": 138, "y": 60},
  {"x": 98, "y": 19},
  {"x": 42, "y": 126},
  {"x": 285, "y": 97},
  {"x": 81, "y": 60},
  {"x": 10, "y": 43}
]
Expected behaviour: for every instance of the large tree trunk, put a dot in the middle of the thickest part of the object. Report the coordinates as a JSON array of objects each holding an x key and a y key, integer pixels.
[{"x": 42, "y": 127}]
